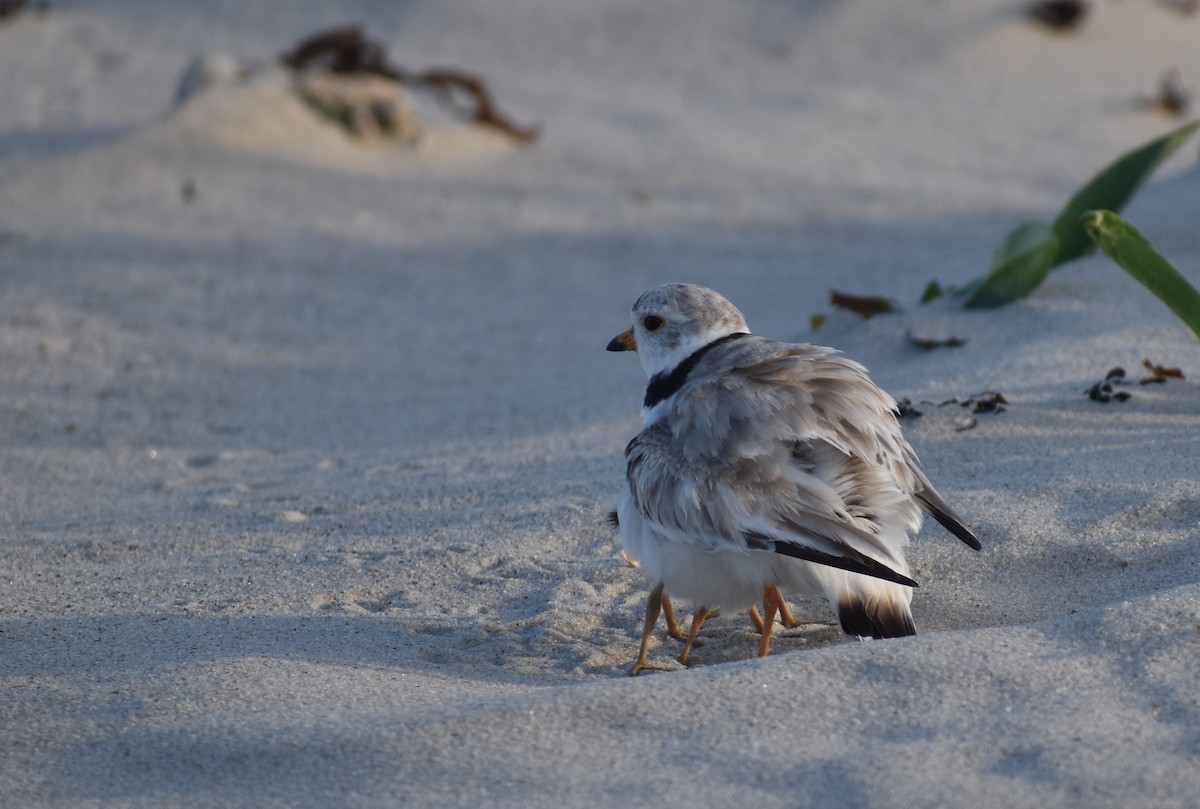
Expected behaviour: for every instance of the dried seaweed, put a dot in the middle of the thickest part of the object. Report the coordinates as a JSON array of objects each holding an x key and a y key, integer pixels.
[
  {"x": 482, "y": 110},
  {"x": 347, "y": 50},
  {"x": 865, "y": 305},
  {"x": 342, "y": 50},
  {"x": 1061, "y": 15}
]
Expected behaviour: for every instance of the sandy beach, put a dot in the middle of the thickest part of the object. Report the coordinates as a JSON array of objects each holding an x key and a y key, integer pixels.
[{"x": 308, "y": 441}]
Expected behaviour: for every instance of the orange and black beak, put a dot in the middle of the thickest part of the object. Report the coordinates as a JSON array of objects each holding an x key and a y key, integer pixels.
[{"x": 623, "y": 342}]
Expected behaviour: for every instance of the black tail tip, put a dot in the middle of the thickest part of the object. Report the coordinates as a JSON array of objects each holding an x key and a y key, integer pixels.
[{"x": 881, "y": 620}]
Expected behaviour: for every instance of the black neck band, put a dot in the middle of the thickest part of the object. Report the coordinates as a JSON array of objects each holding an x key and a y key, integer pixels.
[{"x": 663, "y": 385}]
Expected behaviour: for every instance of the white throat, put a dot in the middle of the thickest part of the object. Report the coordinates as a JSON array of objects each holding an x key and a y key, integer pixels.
[{"x": 655, "y": 363}]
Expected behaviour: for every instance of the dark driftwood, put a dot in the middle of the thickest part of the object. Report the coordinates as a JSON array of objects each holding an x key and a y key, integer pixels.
[{"x": 347, "y": 50}]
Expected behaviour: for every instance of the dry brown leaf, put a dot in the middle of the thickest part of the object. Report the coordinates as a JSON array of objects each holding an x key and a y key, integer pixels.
[
  {"x": 1161, "y": 373},
  {"x": 866, "y": 305}
]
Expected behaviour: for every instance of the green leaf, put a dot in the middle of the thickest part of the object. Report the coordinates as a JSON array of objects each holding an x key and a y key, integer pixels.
[
  {"x": 1111, "y": 189},
  {"x": 1126, "y": 245},
  {"x": 933, "y": 291},
  {"x": 1019, "y": 264}
]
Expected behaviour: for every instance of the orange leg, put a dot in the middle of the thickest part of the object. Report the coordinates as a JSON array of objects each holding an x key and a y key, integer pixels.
[
  {"x": 772, "y": 600},
  {"x": 785, "y": 615},
  {"x": 698, "y": 619},
  {"x": 672, "y": 625},
  {"x": 653, "y": 607},
  {"x": 756, "y": 618}
]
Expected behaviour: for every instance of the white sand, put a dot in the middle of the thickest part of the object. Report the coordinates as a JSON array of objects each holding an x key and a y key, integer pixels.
[{"x": 304, "y": 479}]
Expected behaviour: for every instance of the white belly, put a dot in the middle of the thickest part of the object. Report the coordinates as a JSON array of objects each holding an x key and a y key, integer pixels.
[
  {"x": 722, "y": 579},
  {"x": 729, "y": 580}
]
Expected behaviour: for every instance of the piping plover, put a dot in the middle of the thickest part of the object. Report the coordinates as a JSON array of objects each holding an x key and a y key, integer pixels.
[{"x": 764, "y": 465}]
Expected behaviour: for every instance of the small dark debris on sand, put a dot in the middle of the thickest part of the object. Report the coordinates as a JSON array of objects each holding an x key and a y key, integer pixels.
[
  {"x": 906, "y": 408},
  {"x": 1106, "y": 389},
  {"x": 989, "y": 401},
  {"x": 1061, "y": 15},
  {"x": 1103, "y": 391},
  {"x": 930, "y": 343},
  {"x": 1173, "y": 96}
]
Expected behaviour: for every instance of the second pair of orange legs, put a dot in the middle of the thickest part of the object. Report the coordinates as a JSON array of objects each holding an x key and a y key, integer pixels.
[{"x": 773, "y": 605}]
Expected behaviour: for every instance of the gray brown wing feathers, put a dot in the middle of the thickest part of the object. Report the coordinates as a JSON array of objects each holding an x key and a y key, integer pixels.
[{"x": 786, "y": 446}]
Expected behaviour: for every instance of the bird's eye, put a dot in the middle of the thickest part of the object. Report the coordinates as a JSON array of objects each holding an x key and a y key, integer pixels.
[{"x": 652, "y": 322}]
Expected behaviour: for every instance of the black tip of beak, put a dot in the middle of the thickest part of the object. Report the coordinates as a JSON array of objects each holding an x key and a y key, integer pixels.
[{"x": 615, "y": 345}]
